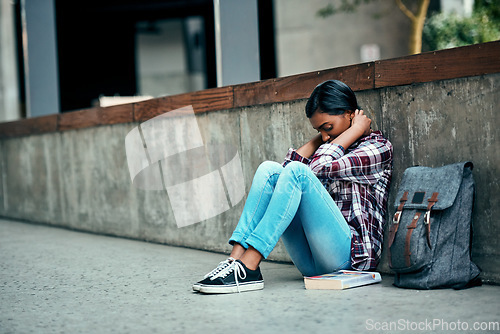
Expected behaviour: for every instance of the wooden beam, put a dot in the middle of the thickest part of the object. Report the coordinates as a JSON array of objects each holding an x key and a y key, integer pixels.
[
  {"x": 84, "y": 118},
  {"x": 123, "y": 113},
  {"x": 300, "y": 86},
  {"x": 29, "y": 126},
  {"x": 202, "y": 101},
  {"x": 461, "y": 62}
]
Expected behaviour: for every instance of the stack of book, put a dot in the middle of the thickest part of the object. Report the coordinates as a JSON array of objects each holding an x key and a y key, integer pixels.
[{"x": 340, "y": 280}]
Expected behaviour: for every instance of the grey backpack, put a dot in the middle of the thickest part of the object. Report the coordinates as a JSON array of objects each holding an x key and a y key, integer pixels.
[{"x": 430, "y": 237}]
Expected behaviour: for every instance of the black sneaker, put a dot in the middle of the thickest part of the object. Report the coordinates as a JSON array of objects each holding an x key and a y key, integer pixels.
[
  {"x": 222, "y": 265},
  {"x": 235, "y": 278}
]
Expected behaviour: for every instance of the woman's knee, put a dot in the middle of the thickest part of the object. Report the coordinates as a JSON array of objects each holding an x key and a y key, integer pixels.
[
  {"x": 270, "y": 167},
  {"x": 297, "y": 167},
  {"x": 266, "y": 170}
]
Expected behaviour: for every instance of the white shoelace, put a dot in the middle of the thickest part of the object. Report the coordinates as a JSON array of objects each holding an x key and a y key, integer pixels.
[
  {"x": 222, "y": 265},
  {"x": 239, "y": 273}
]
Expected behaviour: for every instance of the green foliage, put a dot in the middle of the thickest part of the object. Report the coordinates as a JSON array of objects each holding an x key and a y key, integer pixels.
[
  {"x": 490, "y": 8},
  {"x": 442, "y": 31}
]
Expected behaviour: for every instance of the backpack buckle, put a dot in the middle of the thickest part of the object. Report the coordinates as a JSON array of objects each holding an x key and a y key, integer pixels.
[
  {"x": 427, "y": 217},
  {"x": 399, "y": 211},
  {"x": 397, "y": 217}
]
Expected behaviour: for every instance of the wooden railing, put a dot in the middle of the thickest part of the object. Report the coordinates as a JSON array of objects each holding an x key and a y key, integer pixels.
[{"x": 432, "y": 66}]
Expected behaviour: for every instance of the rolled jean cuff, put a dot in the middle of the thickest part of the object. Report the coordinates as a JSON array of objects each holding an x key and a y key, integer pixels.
[
  {"x": 259, "y": 245},
  {"x": 238, "y": 238}
]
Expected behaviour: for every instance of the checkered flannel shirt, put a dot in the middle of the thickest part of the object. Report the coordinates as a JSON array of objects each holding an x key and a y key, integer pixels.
[{"x": 358, "y": 180}]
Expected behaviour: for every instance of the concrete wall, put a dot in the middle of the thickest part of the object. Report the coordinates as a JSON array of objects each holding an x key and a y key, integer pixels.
[{"x": 79, "y": 178}]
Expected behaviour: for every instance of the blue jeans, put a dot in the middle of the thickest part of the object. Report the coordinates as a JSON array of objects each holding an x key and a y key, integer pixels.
[{"x": 292, "y": 203}]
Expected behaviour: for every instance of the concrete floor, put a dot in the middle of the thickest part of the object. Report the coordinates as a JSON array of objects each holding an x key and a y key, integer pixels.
[{"x": 58, "y": 281}]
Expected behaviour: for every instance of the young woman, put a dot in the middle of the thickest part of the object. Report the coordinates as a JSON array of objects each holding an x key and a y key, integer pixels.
[{"x": 327, "y": 200}]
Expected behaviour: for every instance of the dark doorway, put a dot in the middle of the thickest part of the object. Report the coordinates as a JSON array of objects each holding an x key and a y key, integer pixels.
[{"x": 98, "y": 45}]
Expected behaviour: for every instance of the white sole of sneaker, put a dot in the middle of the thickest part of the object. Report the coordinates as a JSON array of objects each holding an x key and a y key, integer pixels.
[
  {"x": 258, "y": 285},
  {"x": 196, "y": 287}
]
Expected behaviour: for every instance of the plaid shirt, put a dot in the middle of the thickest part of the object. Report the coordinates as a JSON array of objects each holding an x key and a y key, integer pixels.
[{"x": 358, "y": 180}]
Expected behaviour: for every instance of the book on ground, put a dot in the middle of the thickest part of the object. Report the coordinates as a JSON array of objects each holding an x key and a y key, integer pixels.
[{"x": 342, "y": 279}]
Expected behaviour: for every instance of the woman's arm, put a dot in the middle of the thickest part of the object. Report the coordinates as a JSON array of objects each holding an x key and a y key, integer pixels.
[
  {"x": 310, "y": 147},
  {"x": 365, "y": 164}
]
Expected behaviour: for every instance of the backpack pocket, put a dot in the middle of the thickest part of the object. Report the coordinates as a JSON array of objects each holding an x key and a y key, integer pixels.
[{"x": 411, "y": 251}]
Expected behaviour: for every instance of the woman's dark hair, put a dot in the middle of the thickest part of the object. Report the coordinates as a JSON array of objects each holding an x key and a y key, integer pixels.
[{"x": 332, "y": 97}]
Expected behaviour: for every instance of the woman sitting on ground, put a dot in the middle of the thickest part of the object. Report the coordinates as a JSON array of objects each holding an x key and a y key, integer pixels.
[{"x": 327, "y": 200}]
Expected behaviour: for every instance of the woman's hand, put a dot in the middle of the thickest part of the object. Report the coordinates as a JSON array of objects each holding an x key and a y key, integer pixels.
[
  {"x": 360, "y": 127},
  {"x": 361, "y": 122}
]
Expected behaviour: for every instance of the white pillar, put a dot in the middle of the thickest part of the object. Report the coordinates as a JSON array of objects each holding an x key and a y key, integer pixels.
[
  {"x": 459, "y": 7},
  {"x": 9, "y": 89},
  {"x": 237, "y": 41},
  {"x": 40, "y": 57}
]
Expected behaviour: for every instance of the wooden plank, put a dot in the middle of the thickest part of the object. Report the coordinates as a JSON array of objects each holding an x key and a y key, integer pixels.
[
  {"x": 255, "y": 93},
  {"x": 300, "y": 86},
  {"x": 79, "y": 119},
  {"x": 29, "y": 126},
  {"x": 202, "y": 101},
  {"x": 145, "y": 110},
  {"x": 123, "y": 113},
  {"x": 213, "y": 99},
  {"x": 439, "y": 65},
  {"x": 358, "y": 77}
]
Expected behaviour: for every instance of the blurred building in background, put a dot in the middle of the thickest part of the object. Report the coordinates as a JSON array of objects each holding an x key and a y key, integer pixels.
[{"x": 58, "y": 56}]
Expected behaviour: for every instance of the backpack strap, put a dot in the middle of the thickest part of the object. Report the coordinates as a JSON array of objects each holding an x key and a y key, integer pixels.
[
  {"x": 395, "y": 222},
  {"x": 410, "y": 228},
  {"x": 427, "y": 217}
]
